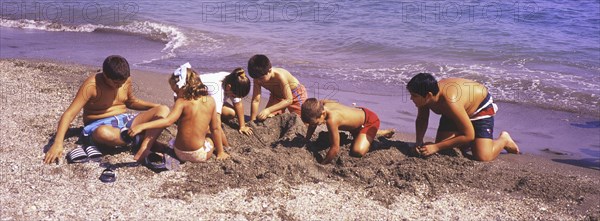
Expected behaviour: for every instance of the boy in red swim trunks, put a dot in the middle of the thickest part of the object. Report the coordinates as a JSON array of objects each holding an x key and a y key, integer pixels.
[{"x": 362, "y": 123}]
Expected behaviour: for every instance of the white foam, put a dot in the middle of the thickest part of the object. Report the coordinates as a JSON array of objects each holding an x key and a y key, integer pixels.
[{"x": 173, "y": 36}]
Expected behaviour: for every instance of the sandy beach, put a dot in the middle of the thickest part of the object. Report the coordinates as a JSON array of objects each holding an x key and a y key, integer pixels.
[{"x": 270, "y": 176}]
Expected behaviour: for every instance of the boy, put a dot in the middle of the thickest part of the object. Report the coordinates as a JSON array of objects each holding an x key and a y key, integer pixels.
[
  {"x": 286, "y": 90},
  {"x": 105, "y": 98},
  {"x": 467, "y": 111},
  {"x": 362, "y": 123}
]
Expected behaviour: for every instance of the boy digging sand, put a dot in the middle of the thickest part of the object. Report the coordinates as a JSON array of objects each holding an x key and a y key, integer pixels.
[
  {"x": 105, "y": 98},
  {"x": 286, "y": 90},
  {"x": 362, "y": 123},
  {"x": 467, "y": 111}
]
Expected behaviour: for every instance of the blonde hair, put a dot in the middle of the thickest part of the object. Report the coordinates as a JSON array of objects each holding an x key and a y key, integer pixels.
[{"x": 193, "y": 88}]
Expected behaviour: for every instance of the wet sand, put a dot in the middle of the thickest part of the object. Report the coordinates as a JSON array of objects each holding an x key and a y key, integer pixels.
[{"x": 270, "y": 176}]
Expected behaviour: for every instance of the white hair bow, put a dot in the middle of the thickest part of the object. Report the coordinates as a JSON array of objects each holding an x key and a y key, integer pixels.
[{"x": 181, "y": 72}]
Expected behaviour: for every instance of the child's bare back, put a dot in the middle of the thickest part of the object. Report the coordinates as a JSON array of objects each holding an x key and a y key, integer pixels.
[
  {"x": 466, "y": 93},
  {"x": 193, "y": 123},
  {"x": 346, "y": 118}
]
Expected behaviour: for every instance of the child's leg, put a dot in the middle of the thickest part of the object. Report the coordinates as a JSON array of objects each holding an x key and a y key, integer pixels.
[
  {"x": 227, "y": 112},
  {"x": 361, "y": 145},
  {"x": 223, "y": 137},
  {"x": 388, "y": 133},
  {"x": 108, "y": 136},
  {"x": 487, "y": 149},
  {"x": 151, "y": 135}
]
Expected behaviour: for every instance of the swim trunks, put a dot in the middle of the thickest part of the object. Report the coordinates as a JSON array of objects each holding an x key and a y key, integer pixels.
[
  {"x": 196, "y": 156},
  {"x": 298, "y": 97},
  {"x": 370, "y": 126},
  {"x": 482, "y": 119},
  {"x": 118, "y": 121}
]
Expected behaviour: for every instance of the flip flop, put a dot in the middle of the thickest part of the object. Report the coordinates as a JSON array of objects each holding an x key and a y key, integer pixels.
[
  {"x": 132, "y": 142},
  {"x": 93, "y": 153},
  {"x": 108, "y": 176},
  {"x": 77, "y": 155},
  {"x": 155, "y": 162}
]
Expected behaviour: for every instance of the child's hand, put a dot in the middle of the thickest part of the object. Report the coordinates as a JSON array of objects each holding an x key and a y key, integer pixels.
[
  {"x": 245, "y": 130},
  {"x": 135, "y": 130},
  {"x": 263, "y": 115},
  {"x": 222, "y": 156},
  {"x": 54, "y": 153},
  {"x": 427, "y": 149}
]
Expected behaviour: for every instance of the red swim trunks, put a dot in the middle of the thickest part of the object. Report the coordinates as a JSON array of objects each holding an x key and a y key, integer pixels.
[
  {"x": 370, "y": 126},
  {"x": 299, "y": 96}
]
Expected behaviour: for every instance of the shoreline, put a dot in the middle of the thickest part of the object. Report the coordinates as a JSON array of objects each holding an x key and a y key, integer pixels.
[{"x": 270, "y": 175}]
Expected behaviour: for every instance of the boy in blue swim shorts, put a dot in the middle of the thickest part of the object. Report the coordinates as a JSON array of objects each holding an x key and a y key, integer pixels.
[
  {"x": 467, "y": 120},
  {"x": 105, "y": 98}
]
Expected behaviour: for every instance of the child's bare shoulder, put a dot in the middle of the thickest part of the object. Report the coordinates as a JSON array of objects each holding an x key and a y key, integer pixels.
[
  {"x": 281, "y": 71},
  {"x": 89, "y": 85}
]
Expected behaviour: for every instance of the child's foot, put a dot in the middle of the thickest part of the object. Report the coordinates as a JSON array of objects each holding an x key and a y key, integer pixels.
[
  {"x": 511, "y": 146},
  {"x": 386, "y": 133}
]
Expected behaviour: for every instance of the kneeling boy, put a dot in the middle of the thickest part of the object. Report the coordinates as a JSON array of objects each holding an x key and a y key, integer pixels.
[
  {"x": 467, "y": 110},
  {"x": 362, "y": 123}
]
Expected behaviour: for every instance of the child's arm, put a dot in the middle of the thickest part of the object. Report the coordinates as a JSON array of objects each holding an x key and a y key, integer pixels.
[
  {"x": 287, "y": 100},
  {"x": 466, "y": 132},
  {"x": 135, "y": 103},
  {"x": 86, "y": 91},
  {"x": 421, "y": 124},
  {"x": 334, "y": 138},
  {"x": 239, "y": 112},
  {"x": 310, "y": 132},
  {"x": 160, "y": 123},
  {"x": 465, "y": 128},
  {"x": 255, "y": 100},
  {"x": 216, "y": 131}
]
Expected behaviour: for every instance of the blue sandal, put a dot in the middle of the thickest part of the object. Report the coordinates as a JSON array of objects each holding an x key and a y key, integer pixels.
[{"x": 108, "y": 176}]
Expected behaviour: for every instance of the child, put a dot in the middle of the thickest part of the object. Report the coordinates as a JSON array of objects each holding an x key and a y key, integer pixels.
[
  {"x": 467, "y": 111},
  {"x": 234, "y": 85},
  {"x": 361, "y": 122},
  {"x": 105, "y": 98},
  {"x": 286, "y": 90},
  {"x": 195, "y": 112}
]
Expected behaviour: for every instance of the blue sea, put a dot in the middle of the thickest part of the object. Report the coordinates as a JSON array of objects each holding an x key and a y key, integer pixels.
[{"x": 539, "y": 54}]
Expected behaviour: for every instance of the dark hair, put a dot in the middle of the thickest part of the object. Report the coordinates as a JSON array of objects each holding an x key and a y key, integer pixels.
[
  {"x": 240, "y": 84},
  {"x": 311, "y": 109},
  {"x": 422, "y": 84},
  {"x": 116, "y": 67},
  {"x": 193, "y": 88},
  {"x": 258, "y": 65}
]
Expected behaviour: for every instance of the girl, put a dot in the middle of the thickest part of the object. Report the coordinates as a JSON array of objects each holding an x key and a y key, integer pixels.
[
  {"x": 195, "y": 112},
  {"x": 234, "y": 85}
]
